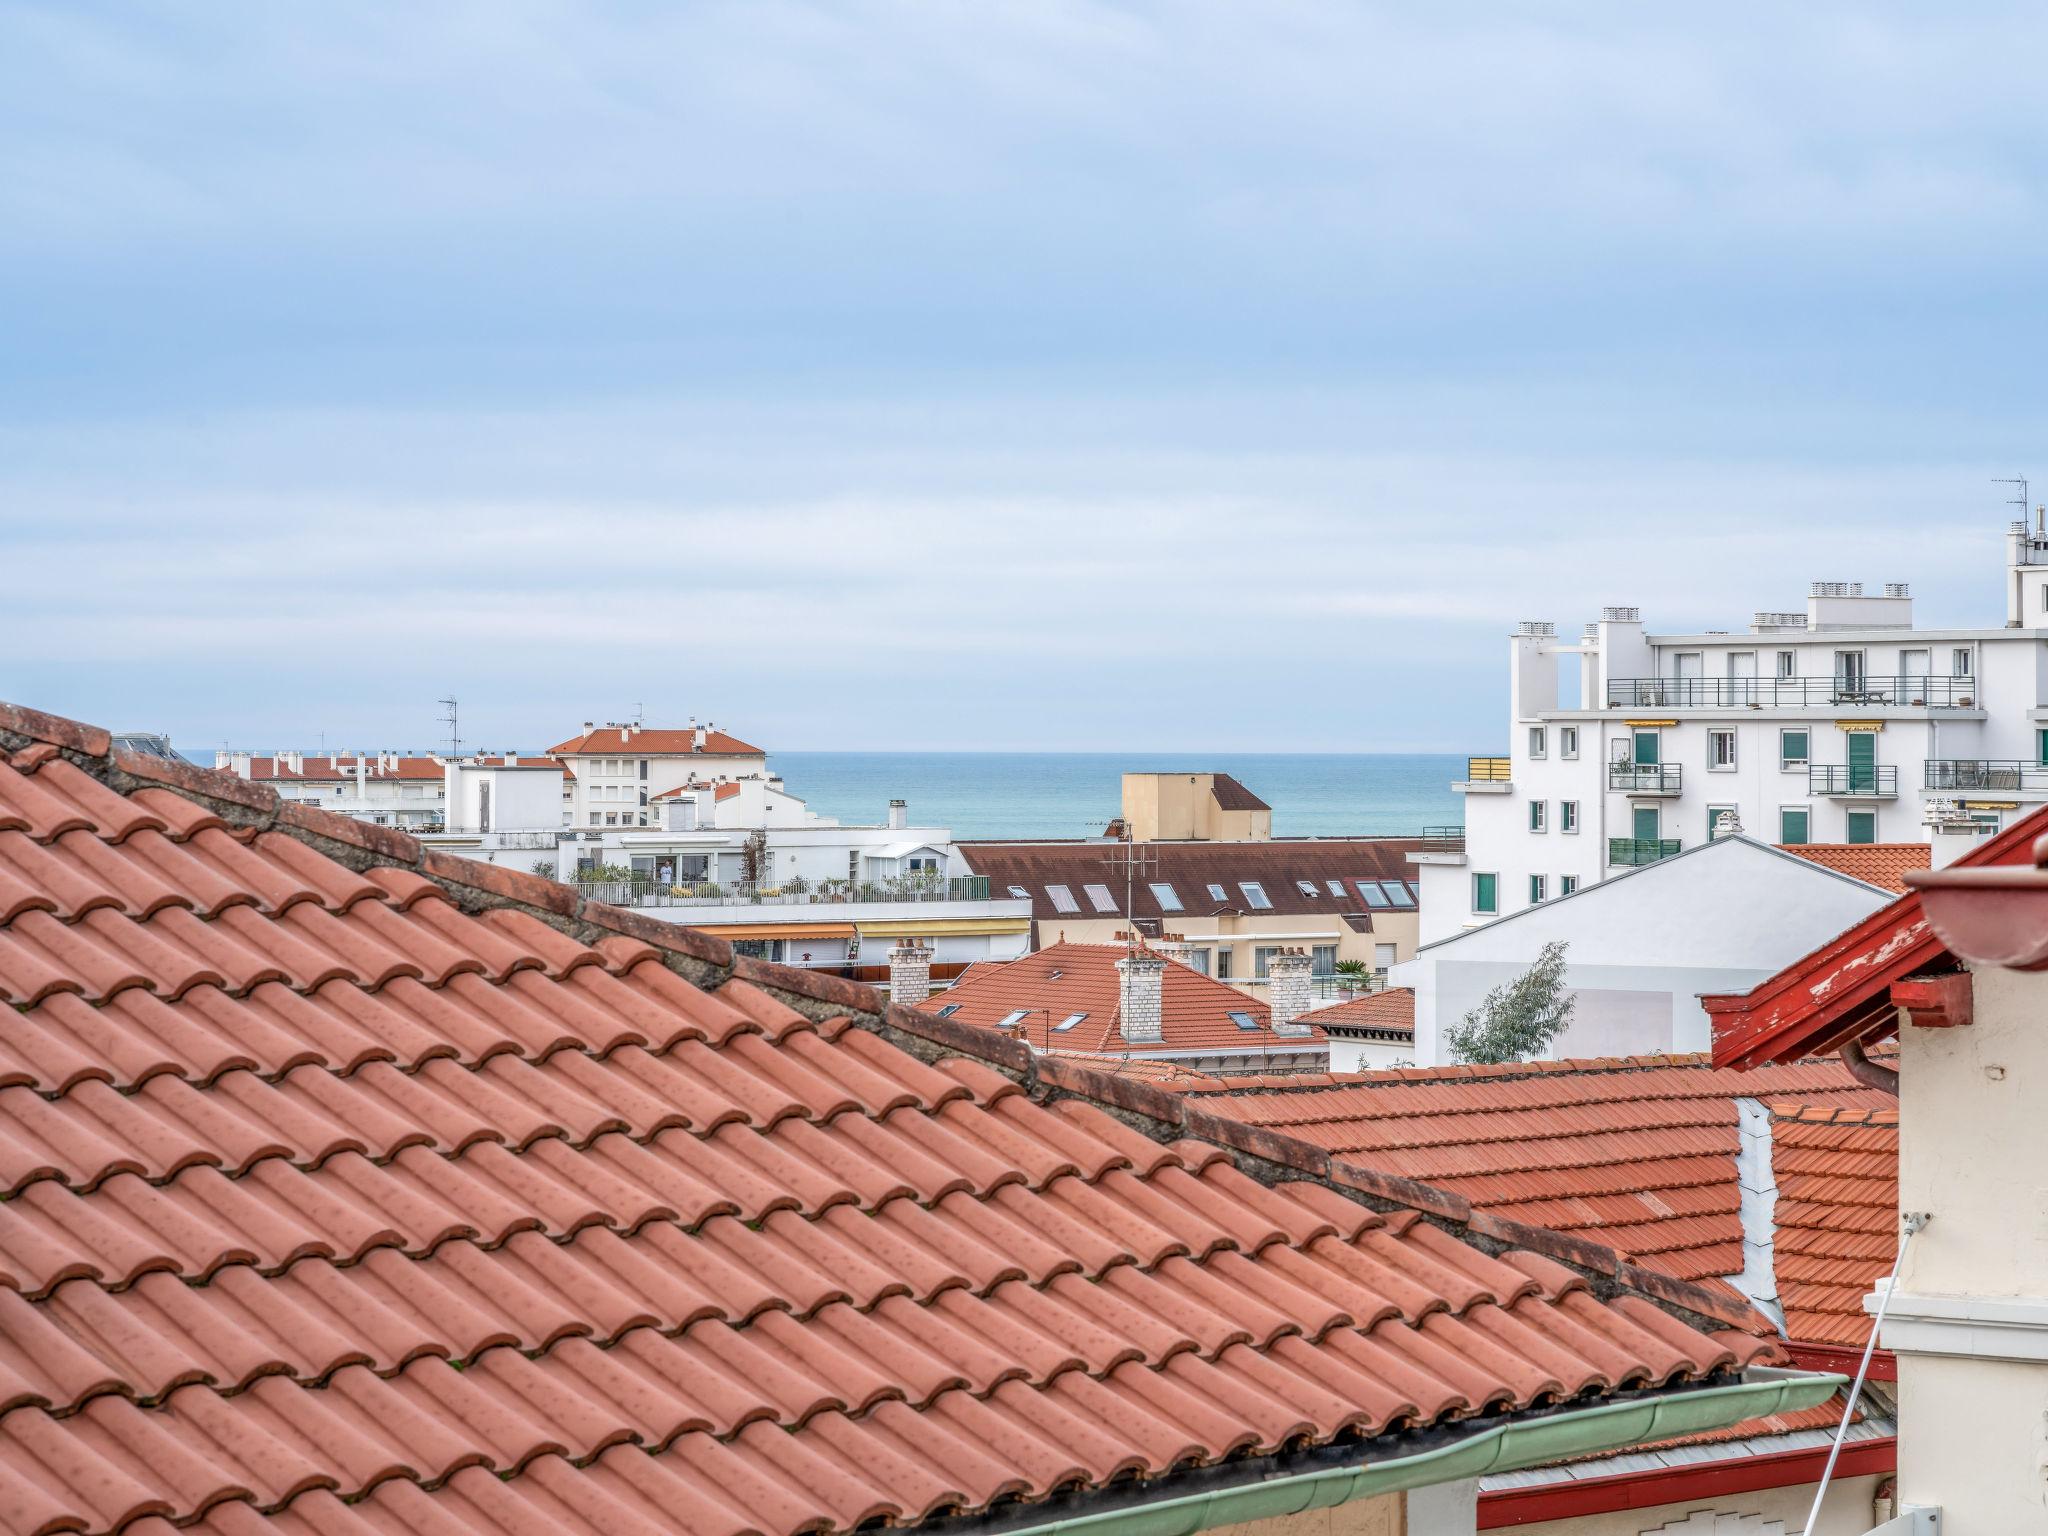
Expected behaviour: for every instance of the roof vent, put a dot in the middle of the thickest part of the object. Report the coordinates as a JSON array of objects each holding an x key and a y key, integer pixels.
[
  {"x": 1835, "y": 589},
  {"x": 1621, "y": 615},
  {"x": 1536, "y": 628},
  {"x": 1897, "y": 589}
]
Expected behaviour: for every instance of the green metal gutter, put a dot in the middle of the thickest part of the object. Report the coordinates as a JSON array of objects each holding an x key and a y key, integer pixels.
[{"x": 1503, "y": 1448}]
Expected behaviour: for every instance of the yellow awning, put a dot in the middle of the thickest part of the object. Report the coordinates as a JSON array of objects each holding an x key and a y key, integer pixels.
[
  {"x": 1991, "y": 805},
  {"x": 777, "y": 930},
  {"x": 1859, "y": 725},
  {"x": 1647, "y": 723},
  {"x": 943, "y": 927}
]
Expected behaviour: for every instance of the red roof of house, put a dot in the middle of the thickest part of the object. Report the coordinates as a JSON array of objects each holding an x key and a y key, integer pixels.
[
  {"x": 1842, "y": 990},
  {"x": 613, "y": 740},
  {"x": 1880, "y": 864},
  {"x": 355, "y": 1188},
  {"x": 1230, "y": 795},
  {"x": 1638, "y": 1153},
  {"x": 1055, "y": 983},
  {"x": 343, "y": 769},
  {"x": 1837, "y": 1216},
  {"x": 1392, "y": 1010}
]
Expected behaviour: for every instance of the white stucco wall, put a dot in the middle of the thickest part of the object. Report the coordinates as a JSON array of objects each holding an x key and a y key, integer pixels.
[{"x": 1644, "y": 946}]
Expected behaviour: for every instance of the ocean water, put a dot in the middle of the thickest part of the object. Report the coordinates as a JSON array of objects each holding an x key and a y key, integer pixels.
[{"x": 1076, "y": 794}]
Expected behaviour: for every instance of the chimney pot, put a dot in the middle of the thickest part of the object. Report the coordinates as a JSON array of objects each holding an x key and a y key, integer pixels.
[{"x": 1288, "y": 993}]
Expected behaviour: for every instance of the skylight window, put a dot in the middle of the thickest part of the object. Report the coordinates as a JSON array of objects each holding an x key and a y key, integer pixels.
[
  {"x": 1099, "y": 895},
  {"x": 1336, "y": 888},
  {"x": 1013, "y": 1018},
  {"x": 1167, "y": 897},
  {"x": 1399, "y": 894},
  {"x": 1307, "y": 888},
  {"x": 947, "y": 1011},
  {"x": 1244, "y": 1020},
  {"x": 1373, "y": 893},
  {"x": 1062, "y": 899},
  {"x": 1020, "y": 893},
  {"x": 1070, "y": 1021},
  {"x": 1255, "y": 896},
  {"x": 1217, "y": 893}
]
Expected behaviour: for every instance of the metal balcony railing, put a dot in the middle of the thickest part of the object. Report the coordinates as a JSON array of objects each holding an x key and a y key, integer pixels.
[
  {"x": 1443, "y": 839},
  {"x": 647, "y": 891},
  {"x": 1888, "y": 692},
  {"x": 1489, "y": 770},
  {"x": 1979, "y": 773},
  {"x": 1873, "y": 779},
  {"x": 1645, "y": 778},
  {"x": 1640, "y": 850}
]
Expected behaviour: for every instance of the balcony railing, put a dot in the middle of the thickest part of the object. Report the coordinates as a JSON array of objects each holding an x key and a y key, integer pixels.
[
  {"x": 1443, "y": 839},
  {"x": 1640, "y": 850},
  {"x": 648, "y": 891},
  {"x": 1977, "y": 773},
  {"x": 1791, "y": 692},
  {"x": 1489, "y": 770},
  {"x": 1644, "y": 778},
  {"x": 1878, "y": 780}
]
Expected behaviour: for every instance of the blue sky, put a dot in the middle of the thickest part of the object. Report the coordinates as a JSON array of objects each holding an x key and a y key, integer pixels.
[{"x": 1048, "y": 375}]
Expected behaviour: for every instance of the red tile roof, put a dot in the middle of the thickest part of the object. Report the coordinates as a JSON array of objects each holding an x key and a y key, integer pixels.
[
  {"x": 354, "y": 1188},
  {"x": 1638, "y": 1153},
  {"x": 1837, "y": 1217},
  {"x": 612, "y": 741},
  {"x": 1392, "y": 1011},
  {"x": 1880, "y": 864},
  {"x": 1057, "y": 982},
  {"x": 335, "y": 770},
  {"x": 1230, "y": 795}
]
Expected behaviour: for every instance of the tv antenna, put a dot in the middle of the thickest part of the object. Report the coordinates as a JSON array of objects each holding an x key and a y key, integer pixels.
[
  {"x": 2022, "y": 499},
  {"x": 449, "y": 720},
  {"x": 1131, "y": 858}
]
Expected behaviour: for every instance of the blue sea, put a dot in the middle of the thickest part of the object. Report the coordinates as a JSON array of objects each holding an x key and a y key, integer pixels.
[{"x": 1075, "y": 794}]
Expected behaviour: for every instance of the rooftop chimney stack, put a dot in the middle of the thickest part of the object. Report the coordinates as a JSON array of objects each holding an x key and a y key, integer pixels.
[
  {"x": 910, "y": 972},
  {"x": 696, "y": 737},
  {"x": 1288, "y": 993},
  {"x": 899, "y": 815},
  {"x": 1140, "y": 983},
  {"x": 1174, "y": 947}
]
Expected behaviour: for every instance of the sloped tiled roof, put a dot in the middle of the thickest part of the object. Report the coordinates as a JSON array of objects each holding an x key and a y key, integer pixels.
[
  {"x": 1880, "y": 864},
  {"x": 1057, "y": 982},
  {"x": 1837, "y": 1216},
  {"x": 1391, "y": 1010},
  {"x": 611, "y": 740},
  {"x": 355, "y": 1189},
  {"x": 1230, "y": 795},
  {"x": 1638, "y": 1153}
]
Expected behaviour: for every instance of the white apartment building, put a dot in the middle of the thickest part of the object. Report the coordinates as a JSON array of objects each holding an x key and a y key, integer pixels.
[
  {"x": 617, "y": 772},
  {"x": 391, "y": 789},
  {"x": 1840, "y": 724}
]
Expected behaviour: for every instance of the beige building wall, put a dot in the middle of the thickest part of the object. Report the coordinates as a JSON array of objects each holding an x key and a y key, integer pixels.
[
  {"x": 1850, "y": 1511},
  {"x": 1181, "y": 807},
  {"x": 1243, "y": 935},
  {"x": 1447, "y": 1509}
]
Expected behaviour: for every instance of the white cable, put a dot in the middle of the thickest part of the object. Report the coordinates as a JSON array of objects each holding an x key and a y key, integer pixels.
[{"x": 1909, "y": 1223}]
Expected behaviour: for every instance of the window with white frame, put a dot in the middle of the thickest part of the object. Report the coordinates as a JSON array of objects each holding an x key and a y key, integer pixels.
[
  {"x": 1539, "y": 811},
  {"x": 1721, "y": 750},
  {"x": 1538, "y": 741},
  {"x": 1714, "y": 815},
  {"x": 1567, "y": 815},
  {"x": 1788, "y": 663},
  {"x": 1566, "y": 884},
  {"x": 1539, "y": 888},
  {"x": 1959, "y": 662},
  {"x": 1794, "y": 747},
  {"x": 1567, "y": 741}
]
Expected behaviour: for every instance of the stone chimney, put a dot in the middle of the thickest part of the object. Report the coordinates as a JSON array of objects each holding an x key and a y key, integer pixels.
[
  {"x": 1174, "y": 947},
  {"x": 1287, "y": 996},
  {"x": 1140, "y": 983},
  {"x": 910, "y": 972},
  {"x": 899, "y": 815}
]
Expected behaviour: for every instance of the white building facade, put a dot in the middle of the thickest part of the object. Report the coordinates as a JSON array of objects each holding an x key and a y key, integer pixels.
[{"x": 1840, "y": 724}]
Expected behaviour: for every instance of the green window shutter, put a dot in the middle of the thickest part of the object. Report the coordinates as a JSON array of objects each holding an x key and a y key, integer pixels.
[
  {"x": 1485, "y": 895},
  {"x": 1862, "y": 826},
  {"x": 1647, "y": 754},
  {"x": 1646, "y": 823},
  {"x": 1862, "y": 762},
  {"x": 2041, "y": 747},
  {"x": 1792, "y": 826},
  {"x": 1792, "y": 747}
]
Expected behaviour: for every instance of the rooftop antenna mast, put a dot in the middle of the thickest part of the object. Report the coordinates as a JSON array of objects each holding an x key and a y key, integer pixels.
[
  {"x": 1133, "y": 859},
  {"x": 2024, "y": 501},
  {"x": 449, "y": 719}
]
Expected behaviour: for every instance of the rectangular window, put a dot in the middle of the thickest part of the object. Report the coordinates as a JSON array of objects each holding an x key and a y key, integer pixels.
[
  {"x": 1217, "y": 893},
  {"x": 1336, "y": 888},
  {"x": 1959, "y": 661},
  {"x": 1100, "y": 898},
  {"x": 1062, "y": 899},
  {"x": 1539, "y": 888},
  {"x": 1486, "y": 893},
  {"x": 1373, "y": 894},
  {"x": 1788, "y": 663},
  {"x": 1223, "y": 964},
  {"x": 1793, "y": 749},
  {"x": 1262, "y": 958},
  {"x": 1249, "y": 1021},
  {"x": 1255, "y": 896},
  {"x": 1537, "y": 741},
  {"x": 1567, "y": 741},
  {"x": 1714, "y": 815},
  {"x": 1307, "y": 888},
  {"x": 1567, "y": 815},
  {"x": 1721, "y": 750},
  {"x": 643, "y": 767},
  {"x": 1020, "y": 893},
  {"x": 1323, "y": 959},
  {"x": 1539, "y": 815},
  {"x": 947, "y": 1010},
  {"x": 1198, "y": 960},
  {"x": 1013, "y": 1018},
  {"x": 2041, "y": 747},
  {"x": 1401, "y": 895},
  {"x": 1069, "y": 1021},
  {"x": 1566, "y": 884},
  {"x": 1862, "y": 827},
  {"x": 595, "y": 820},
  {"x": 1792, "y": 825},
  {"x": 1167, "y": 897}
]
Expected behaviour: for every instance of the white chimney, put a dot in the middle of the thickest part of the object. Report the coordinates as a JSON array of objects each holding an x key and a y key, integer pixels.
[
  {"x": 240, "y": 762},
  {"x": 1287, "y": 994},
  {"x": 696, "y": 737},
  {"x": 1140, "y": 985},
  {"x": 1174, "y": 947},
  {"x": 899, "y": 815},
  {"x": 511, "y": 759},
  {"x": 910, "y": 972}
]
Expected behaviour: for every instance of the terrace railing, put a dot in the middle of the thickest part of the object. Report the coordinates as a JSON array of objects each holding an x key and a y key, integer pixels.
[
  {"x": 1645, "y": 778},
  {"x": 1911, "y": 691},
  {"x": 1878, "y": 780},
  {"x": 1640, "y": 850},
  {"x": 1969, "y": 774},
  {"x": 651, "y": 891}
]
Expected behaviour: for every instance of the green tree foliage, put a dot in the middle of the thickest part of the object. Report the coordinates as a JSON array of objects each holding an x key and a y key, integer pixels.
[{"x": 1518, "y": 1019}]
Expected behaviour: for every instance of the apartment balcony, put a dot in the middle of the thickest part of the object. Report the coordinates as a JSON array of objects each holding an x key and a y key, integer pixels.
[
  {"x": 1885, "y": 692},
  {"x": 1861, "y": 781},
  {"x": 1443, "y": 839},
  {"x": 646, "y": 891},
  {"x": 1629, "y": 851},
  {"x": 1978, "y": 775},
  {"x": 1486, "y": 776},
  {"x": 1644, "y": 778}
]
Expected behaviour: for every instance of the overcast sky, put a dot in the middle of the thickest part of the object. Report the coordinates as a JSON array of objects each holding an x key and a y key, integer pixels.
[{"x": 1034, "y": 375}]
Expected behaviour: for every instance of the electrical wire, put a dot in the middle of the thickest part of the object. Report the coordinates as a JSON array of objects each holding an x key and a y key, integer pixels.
[{"x": 1910, "y": 1222}]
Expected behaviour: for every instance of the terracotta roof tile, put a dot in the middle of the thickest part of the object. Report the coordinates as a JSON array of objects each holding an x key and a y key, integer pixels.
[
  {"x": 1392, "y": 1010},
  {"x": 402, "y": 1194},
  {"x": 610, "y": 741},
  {"x": 1880, "y": 864},
  {"x": 1230, "y": 795},
  {"x": 1837, "y": 1172},
  {"x": 1053, "y": 984}
]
